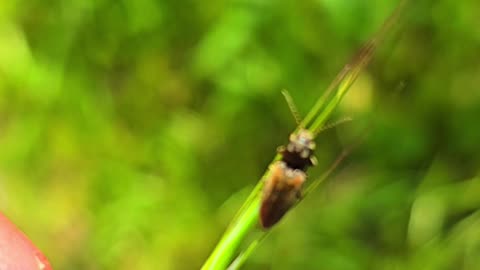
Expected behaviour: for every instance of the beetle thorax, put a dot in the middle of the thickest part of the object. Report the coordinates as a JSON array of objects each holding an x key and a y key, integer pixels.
[{"x": 299, "y": 150}]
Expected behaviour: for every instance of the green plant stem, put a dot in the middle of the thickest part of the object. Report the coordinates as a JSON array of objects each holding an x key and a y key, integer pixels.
[
  {"x": 342, "y": 90},
  {"x": 242, "y": 258},
  {"x": 224, "y": 251}
]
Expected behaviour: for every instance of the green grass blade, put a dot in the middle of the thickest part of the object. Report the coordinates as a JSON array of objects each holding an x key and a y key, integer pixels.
[
  {"x": 225, "y": 249},
  {"x": 242, "y": 258}
]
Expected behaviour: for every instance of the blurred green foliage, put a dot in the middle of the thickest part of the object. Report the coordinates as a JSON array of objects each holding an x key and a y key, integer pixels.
[{"x": 131, "y": 131}]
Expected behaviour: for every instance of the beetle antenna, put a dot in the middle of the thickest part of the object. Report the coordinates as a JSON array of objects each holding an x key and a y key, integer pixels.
[
  {"x": 291, "y": 105},
  {"x": 334, "y": 124}
]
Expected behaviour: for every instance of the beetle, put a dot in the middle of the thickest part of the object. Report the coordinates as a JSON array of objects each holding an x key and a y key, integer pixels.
[{"x": 283, "y": 186}]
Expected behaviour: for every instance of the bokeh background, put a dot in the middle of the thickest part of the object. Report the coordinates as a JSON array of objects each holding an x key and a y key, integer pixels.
[{"x": 131, "y": 131}]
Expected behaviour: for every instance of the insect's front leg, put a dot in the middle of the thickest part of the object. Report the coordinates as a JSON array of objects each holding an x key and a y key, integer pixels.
[{"x": 299, "y": 194}]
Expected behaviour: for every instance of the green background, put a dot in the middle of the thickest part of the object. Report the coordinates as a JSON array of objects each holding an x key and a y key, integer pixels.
[{"x": 131, "y": 131}]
